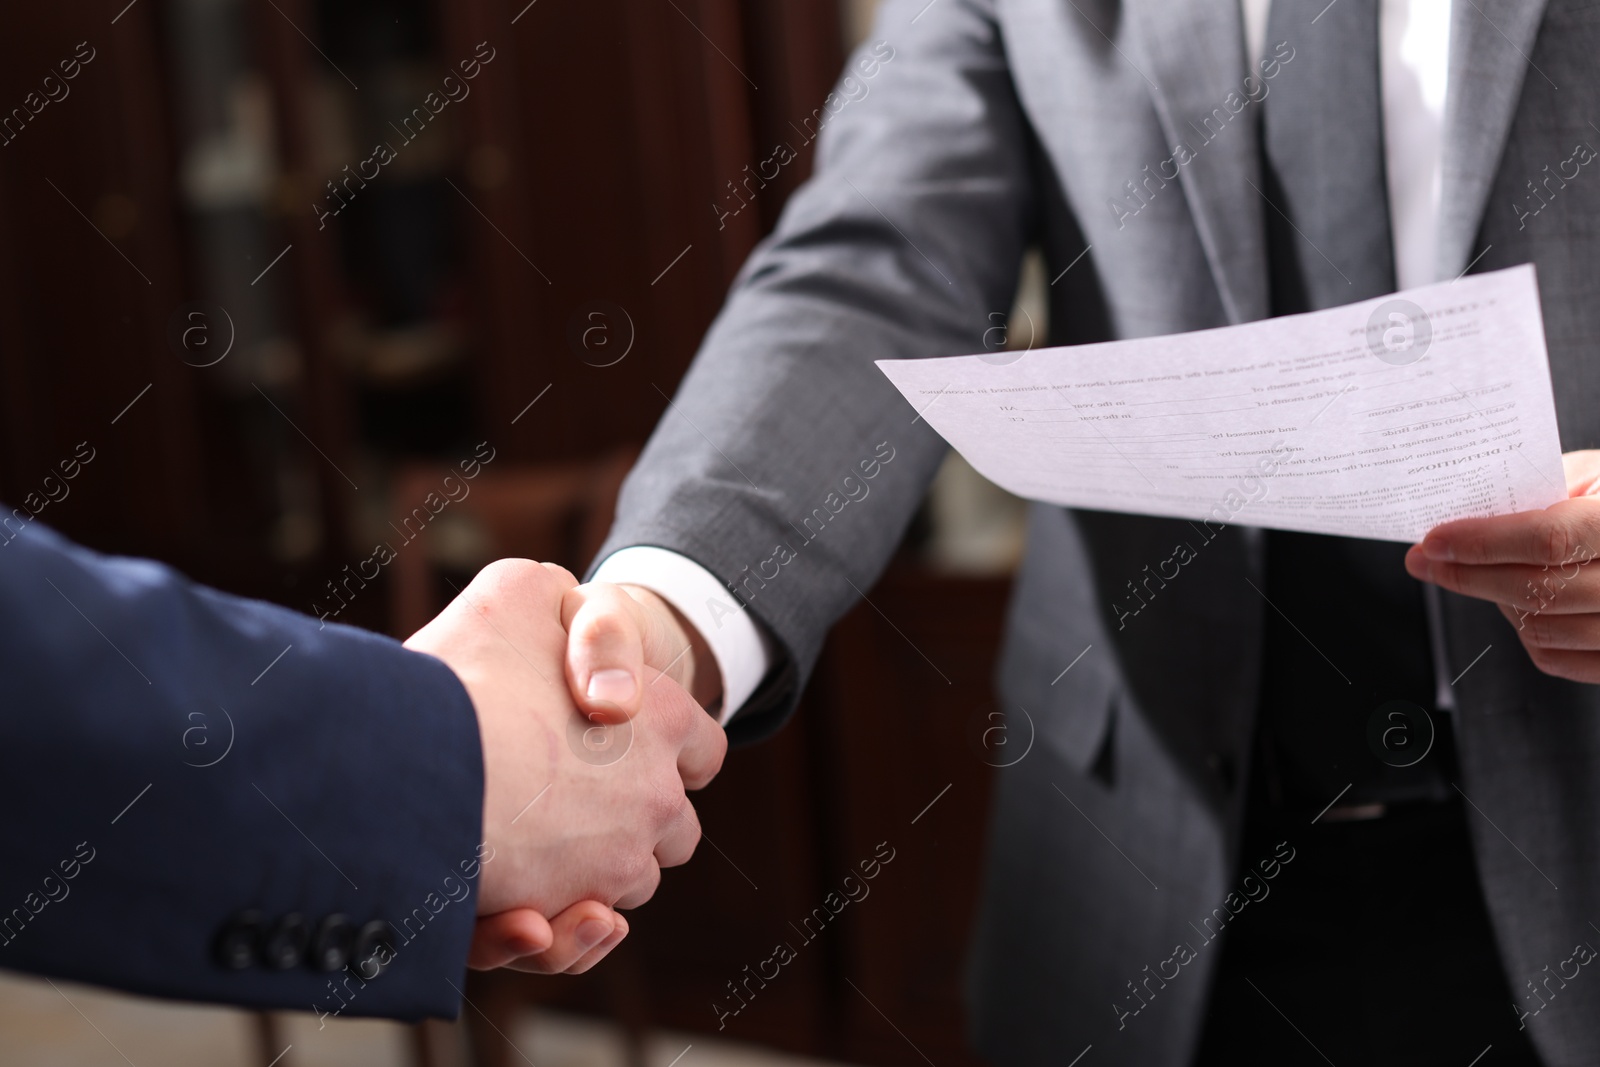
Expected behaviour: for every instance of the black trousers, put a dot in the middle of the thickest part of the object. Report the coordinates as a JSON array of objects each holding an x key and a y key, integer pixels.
[{"x": 1373, "y": 948}]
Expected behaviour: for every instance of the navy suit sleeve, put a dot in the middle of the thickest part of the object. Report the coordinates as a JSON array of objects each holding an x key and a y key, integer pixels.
[{"x": 210, "y": 798}]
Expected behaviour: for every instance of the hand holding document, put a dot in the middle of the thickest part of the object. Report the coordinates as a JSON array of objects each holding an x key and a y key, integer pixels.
[{"x": 1379, "y": 419}]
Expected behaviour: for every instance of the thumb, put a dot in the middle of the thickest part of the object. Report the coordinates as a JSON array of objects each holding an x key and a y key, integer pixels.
[
  {"x": 1583, "y": 472},
  {"x": 605, "y": 651},
  {"x": 498, "y": 940}
]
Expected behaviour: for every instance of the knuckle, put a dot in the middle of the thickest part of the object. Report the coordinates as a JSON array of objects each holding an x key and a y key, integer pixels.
[
  {"x": 704, "y": 771},
  {"x": 512, "y": 574},
  {"x": 1538, "y": 631},
  {"x": 1530, "y": 596},
  {"x": 600, "y": 628},
  {"x": 666, "y": 719},
  {"x": 632, "y": 872},
  {"x": 1472, "y": 548},
  {"x": 646, "y": 881},
  {"x": 1554, "y": 540},
  {"x": 667, "y": 802},
  {"x": 691, "y": 841},
  {"x": 510, "y": 567},
  {"x": 560, "y": 574},
  {"x": 681, "y": 850},
  {"x": 682, "y": 716},
  {"x": 719, "y": 749}
]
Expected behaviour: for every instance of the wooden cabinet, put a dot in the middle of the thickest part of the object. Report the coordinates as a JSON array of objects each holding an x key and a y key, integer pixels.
[{"x": 91, "y": 271}]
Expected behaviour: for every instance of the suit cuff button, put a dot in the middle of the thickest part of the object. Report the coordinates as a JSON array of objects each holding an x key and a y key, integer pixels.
[
  {"x": 285, "y": 944},
  {"x": 330, "y": 945},
  {"x": 373, "y": 951},
  {"x": 239, "y": 940}
]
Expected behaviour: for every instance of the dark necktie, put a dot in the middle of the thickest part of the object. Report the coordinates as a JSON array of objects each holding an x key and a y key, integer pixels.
[{"x": 1347, "y": 630}]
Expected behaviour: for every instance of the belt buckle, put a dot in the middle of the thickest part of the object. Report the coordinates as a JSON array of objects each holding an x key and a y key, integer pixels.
[{"x": 1356, "y": 812}]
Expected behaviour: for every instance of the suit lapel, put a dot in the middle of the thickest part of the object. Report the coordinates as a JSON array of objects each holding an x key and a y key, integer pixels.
[
  {"x": 1490, "y": 42},
  {"x": 1192, "y": 51}
]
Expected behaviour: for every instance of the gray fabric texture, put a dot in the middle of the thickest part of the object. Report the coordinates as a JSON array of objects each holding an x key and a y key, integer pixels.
[{"x": 1000, "y": 124}]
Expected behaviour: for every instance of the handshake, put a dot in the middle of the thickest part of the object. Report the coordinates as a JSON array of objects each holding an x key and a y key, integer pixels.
[{"x": 590, "y": 702}]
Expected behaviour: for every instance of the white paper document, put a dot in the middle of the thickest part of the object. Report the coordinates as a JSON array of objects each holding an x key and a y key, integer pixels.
[{"x": 1379, "y": 419}]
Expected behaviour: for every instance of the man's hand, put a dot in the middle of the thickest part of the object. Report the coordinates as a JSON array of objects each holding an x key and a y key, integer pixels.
[
  {"x": 523, "y": 940},
  {"x": 1534, "y": 566},
  {"x": 622, "y": 638},
  {"x": 570, "y": 833}
]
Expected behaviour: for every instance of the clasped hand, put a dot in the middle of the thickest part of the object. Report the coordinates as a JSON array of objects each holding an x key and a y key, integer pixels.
[
  {"x": 576, "y": 835},
  {"x": 584, "y": 799}
]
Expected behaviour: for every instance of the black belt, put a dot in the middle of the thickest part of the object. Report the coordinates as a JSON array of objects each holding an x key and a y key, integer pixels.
[{"x": 1375, "y": 800}]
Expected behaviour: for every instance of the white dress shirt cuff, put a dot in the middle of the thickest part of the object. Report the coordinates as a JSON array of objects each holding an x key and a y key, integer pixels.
[{"x": 737, "y": 644}]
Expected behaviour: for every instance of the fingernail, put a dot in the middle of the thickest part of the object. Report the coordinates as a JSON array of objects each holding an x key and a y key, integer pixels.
[
  {"x": 1439, "y": 550},
  {"x": 591, "y": 932},
  {"x": 613, "y": 686}
]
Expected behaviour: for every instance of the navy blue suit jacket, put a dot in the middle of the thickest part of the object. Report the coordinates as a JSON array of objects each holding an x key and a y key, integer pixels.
[{"x": 217, "y": 799}]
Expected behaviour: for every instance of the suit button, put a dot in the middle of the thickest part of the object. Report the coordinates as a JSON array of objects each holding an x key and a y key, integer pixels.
[
  {"x": 374, "y": 948},
  {"x": 285, "y": 943},
  {"x": 330, "y": 945},
  {"x": 238, "y": 940}
]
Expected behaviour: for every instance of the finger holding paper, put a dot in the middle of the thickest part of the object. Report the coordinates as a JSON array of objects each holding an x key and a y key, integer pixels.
[{"x": 1534, "y": 565}]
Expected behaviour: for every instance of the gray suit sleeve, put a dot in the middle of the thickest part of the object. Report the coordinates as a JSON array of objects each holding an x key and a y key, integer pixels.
[{"x": 787, "y": 465}]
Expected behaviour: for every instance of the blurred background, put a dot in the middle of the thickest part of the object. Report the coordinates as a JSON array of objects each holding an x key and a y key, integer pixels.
[{"x": 275, "y": 265}]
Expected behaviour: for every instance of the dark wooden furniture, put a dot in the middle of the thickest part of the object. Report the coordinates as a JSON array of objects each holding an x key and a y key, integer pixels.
[
  {"x": 91, "y": 269},
  {"x": 599, "y": 140},
  {"x": 901, "y": 698},
  {"x": 578, "y": 177}
]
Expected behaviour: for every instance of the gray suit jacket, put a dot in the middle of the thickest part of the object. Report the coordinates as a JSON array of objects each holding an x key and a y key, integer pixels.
[{"x": 998, "y": 124}]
